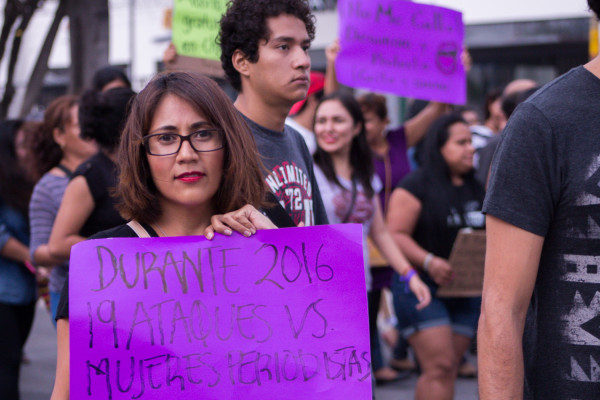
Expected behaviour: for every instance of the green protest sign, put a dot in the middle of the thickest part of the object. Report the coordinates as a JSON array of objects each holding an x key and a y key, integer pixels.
[{"x": 196, "y": 26}]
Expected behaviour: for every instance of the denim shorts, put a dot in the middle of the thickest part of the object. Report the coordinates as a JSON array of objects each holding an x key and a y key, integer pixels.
[{"x": 461, "y": 313}]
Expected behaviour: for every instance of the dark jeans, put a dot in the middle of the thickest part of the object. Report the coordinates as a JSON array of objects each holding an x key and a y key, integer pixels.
[
  {"x": 16, "y": 323},
  {"x": 382, "y": 277},
  {"x": 374, "y": 299}
]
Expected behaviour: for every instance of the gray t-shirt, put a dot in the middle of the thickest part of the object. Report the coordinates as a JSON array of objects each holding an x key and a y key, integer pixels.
[
  {"x": 290, "y": 173},
  {"x": 43, "y": 207},
  {"x": 545, "y": 179}
]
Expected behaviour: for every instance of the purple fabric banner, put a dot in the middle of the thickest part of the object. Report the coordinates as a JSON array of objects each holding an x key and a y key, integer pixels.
[
  {"x": 281, "y": 315},
  {"x": 400, "y": 47}
]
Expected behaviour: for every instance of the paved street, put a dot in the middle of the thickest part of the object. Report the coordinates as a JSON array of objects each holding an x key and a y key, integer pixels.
[
  {"x": 466, "y": 389},
  {"x": 37, "y": 377}
]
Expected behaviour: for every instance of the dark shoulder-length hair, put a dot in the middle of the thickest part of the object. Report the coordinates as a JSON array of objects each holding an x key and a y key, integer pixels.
[
  {"x": 375, "y": 103},
  {"x": 242, "y": 182},
  {"x": 15, "y": 184},
  {"x": 108, "y": 74},
  {"x": 433, "y": 161},
  {"x": 45, "y": 152},
  {"x": 361, "y": 159},
  {"x": 102, "y": 116}
]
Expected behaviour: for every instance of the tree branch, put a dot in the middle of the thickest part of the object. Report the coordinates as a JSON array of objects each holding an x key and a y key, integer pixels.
[
  {"x": 26, "y": 11},
  {"x": 36, "y": 80}
]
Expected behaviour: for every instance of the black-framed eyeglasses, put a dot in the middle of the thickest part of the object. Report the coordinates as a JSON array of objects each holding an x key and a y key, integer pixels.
[{"x": 166, "y": 144}]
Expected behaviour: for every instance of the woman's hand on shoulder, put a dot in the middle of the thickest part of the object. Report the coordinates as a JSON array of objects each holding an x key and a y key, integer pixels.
[
  {"x": 420, "y": 290},
  {"x": 440, "y": 271},
  {"x": 247, "y": 220}
]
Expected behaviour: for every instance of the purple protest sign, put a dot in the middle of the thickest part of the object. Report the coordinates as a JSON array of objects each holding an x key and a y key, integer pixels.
[
  {"x": 280, "y": 315},
  {"x": 401, "y": 47}
]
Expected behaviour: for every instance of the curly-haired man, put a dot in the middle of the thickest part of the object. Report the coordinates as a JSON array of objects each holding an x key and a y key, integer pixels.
[
  {"x": 264, "y": 52},
  {"x": 539, "y": 331}
]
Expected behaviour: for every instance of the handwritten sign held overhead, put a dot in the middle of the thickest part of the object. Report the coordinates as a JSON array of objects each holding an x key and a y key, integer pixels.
[
  {"x": 281, "y": 315},
  {"x": 401, "y": 47},
  {"x": 196, "y": 26}
]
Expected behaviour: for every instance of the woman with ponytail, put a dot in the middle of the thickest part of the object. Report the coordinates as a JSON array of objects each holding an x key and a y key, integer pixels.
[{"x": 58, "y": 150}]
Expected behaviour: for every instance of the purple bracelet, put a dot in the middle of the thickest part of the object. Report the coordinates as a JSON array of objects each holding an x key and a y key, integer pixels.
[{"x": 406, "y": 278}]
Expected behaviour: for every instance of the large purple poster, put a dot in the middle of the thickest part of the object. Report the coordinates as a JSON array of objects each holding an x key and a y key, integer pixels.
[
  {"x": 281, "y": 315},
  {"x": 401, "y": 47}
]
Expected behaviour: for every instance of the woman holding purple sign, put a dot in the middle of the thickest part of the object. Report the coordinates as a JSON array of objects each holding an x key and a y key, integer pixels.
[{"x": 186, "y": 155}]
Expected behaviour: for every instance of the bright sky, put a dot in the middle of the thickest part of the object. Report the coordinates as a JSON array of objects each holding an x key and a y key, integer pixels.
[{"x": 479, "y": 11}]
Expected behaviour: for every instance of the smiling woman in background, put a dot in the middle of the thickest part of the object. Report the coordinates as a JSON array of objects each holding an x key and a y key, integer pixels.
[{"x": 349, "y": 187}]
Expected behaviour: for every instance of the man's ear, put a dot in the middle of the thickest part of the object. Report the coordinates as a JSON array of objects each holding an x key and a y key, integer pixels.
[{"x": 240, "y": 62}]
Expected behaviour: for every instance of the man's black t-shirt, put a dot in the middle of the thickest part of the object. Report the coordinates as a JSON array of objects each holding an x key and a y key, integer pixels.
[{"x": 545, "y": 179}]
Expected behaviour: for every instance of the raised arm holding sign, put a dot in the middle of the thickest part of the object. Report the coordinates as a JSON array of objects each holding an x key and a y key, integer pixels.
[
  {"x": 196, "y": 26},
  {"x": 195, "y": 31}
]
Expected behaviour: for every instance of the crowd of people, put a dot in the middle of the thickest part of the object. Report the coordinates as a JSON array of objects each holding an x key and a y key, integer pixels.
[{"x": 179, "y": 158}]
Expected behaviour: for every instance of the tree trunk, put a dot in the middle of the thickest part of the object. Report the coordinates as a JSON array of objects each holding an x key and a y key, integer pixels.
[
  {"x": 36, "y": 80},
  {"x": 88, "y": 21},
  {"x": 26, "y": 10},
  {"x": 10, "y": 16}
]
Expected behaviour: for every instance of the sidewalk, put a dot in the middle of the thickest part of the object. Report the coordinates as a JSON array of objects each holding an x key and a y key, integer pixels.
[{"x": 37, "y": 377}]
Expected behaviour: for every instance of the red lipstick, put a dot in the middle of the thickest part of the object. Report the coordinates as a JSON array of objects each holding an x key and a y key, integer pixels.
[{"x": 192, "y": 176}]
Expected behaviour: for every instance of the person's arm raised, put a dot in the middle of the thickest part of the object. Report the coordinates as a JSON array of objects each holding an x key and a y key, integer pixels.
[
  {"x": 331, "y": 53},
  {"x": 416, "y": 127},
  {"x": 76, "y": 207},
  {"x": 511, "y": 265}
]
